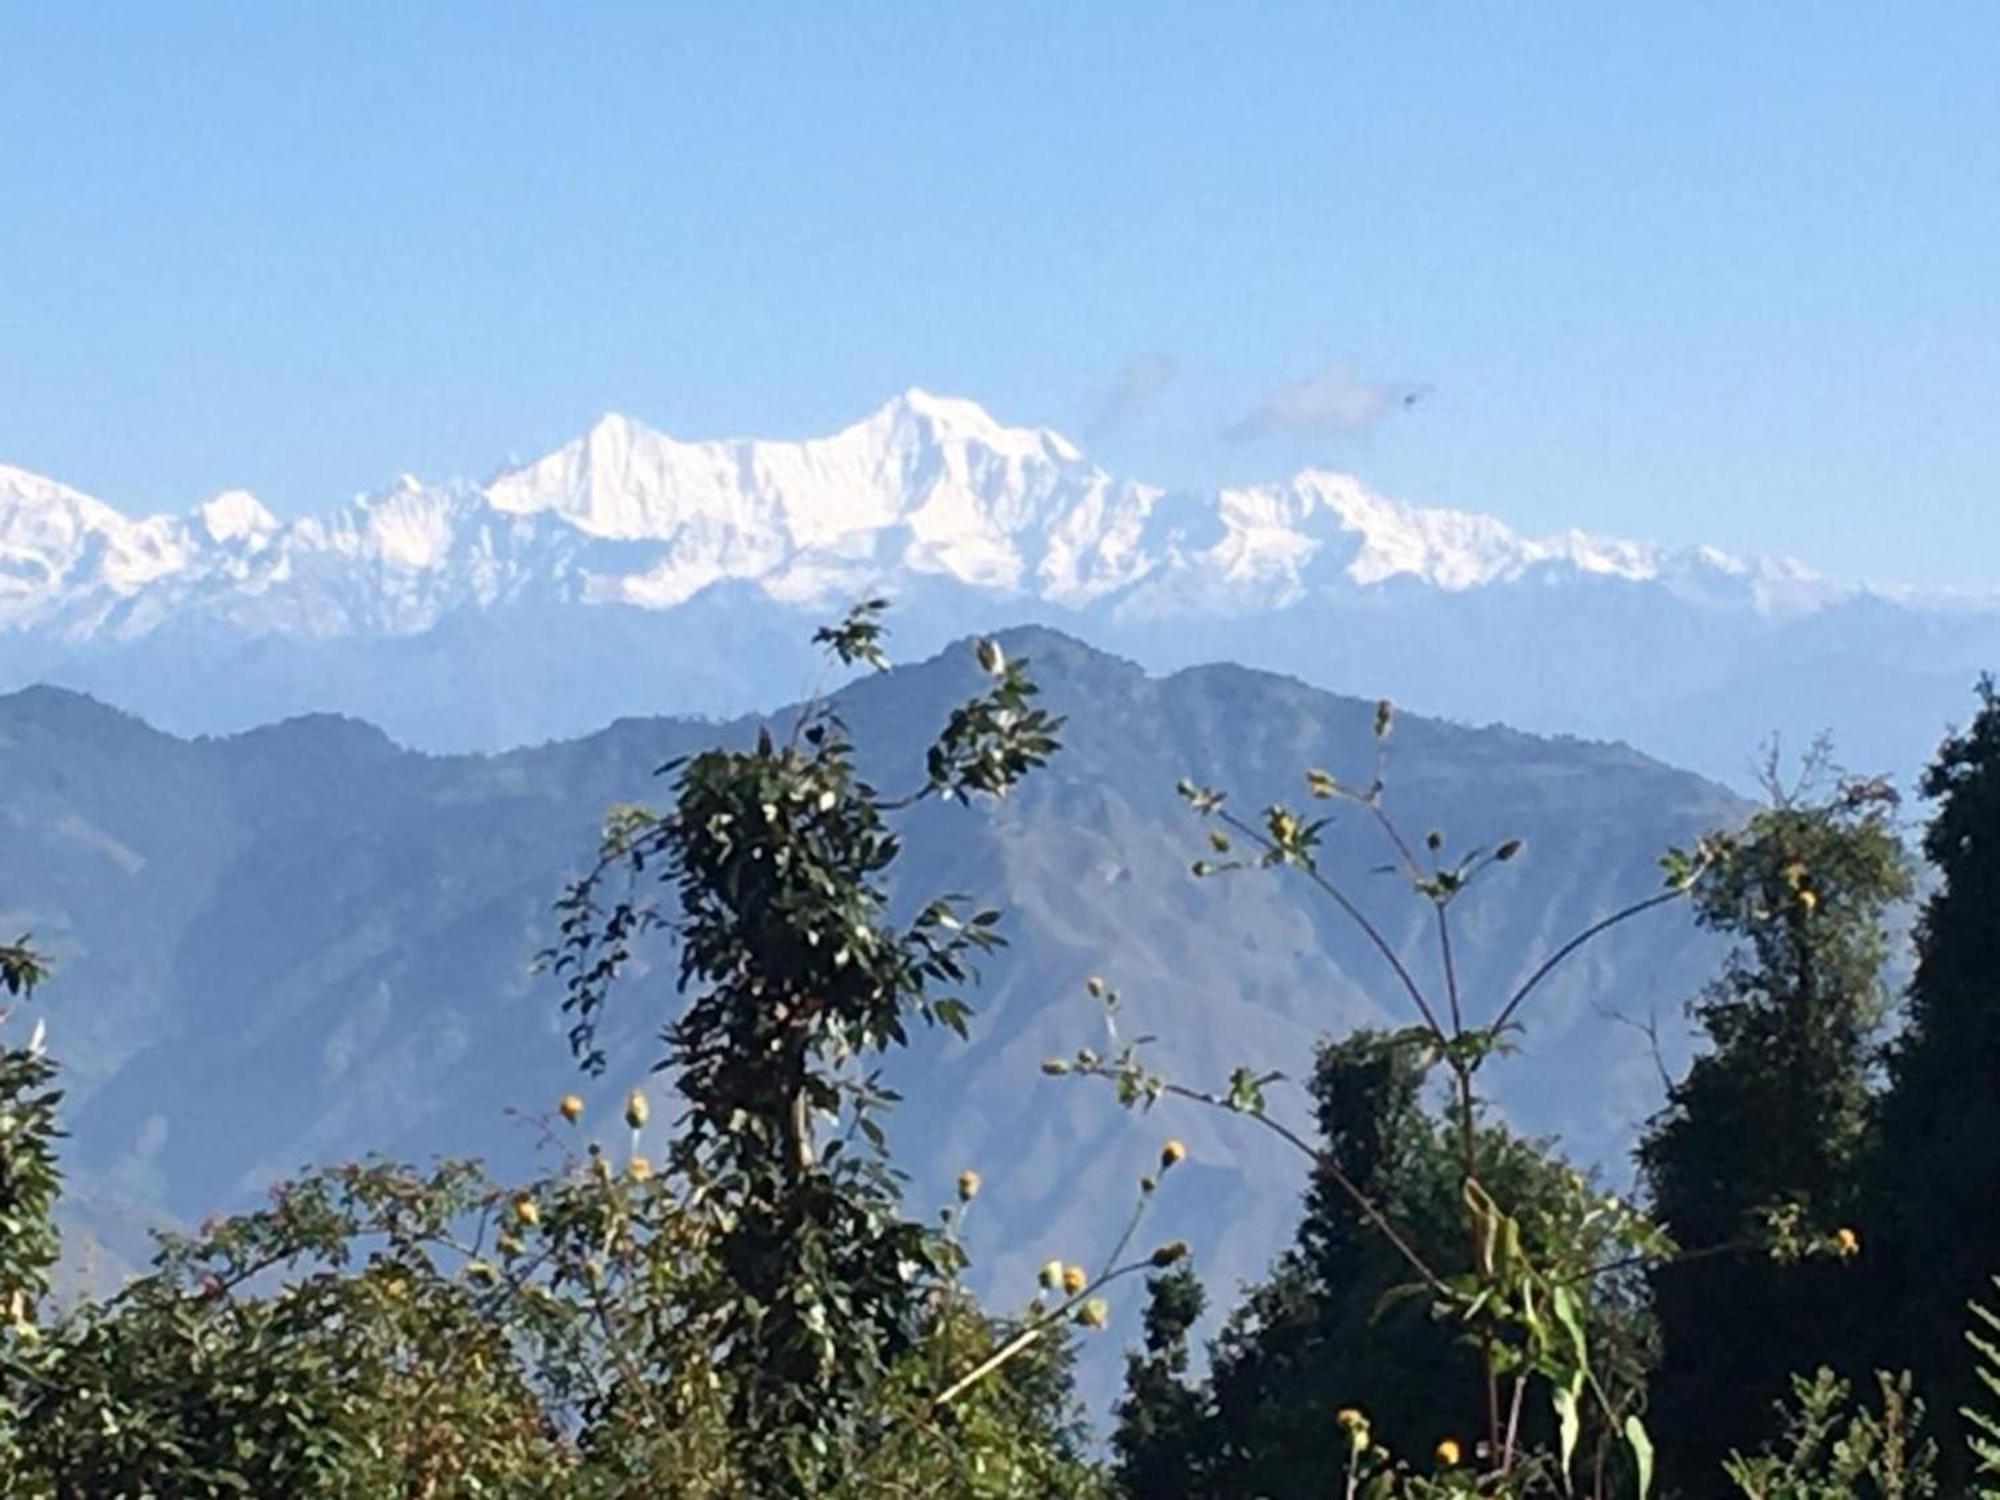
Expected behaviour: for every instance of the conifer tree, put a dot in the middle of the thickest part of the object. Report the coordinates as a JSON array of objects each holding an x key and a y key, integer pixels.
[
  {"x": 1328, "y": 1332},
  {"x": 1937, "y": 1190},
  {"x": 1755, "y": 1160},
  {"x": 1162, "y": 1420}
]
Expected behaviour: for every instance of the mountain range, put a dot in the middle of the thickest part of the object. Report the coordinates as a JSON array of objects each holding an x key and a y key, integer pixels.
[
  {"x": 303, "y": 942},
  {"x": 630, "y": 572}
]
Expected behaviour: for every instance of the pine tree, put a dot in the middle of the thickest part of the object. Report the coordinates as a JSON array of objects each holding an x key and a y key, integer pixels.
[
  {"x": 1162, "y": 1421},
  {"x": 1308, "y": 1341},
  {"x": 1938, "y": 1188},
  {"x": 1755, "y": 1161},
  {"x": 1328, "y": 1329}
]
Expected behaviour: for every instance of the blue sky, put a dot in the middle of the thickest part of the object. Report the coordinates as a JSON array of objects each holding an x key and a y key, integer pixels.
[{"x": 1696, "y": 272}]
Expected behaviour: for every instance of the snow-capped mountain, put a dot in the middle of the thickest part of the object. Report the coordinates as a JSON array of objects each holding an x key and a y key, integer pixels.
[
  {"x": 927, "y": 487},
  {"x": 631, "y": 570}
]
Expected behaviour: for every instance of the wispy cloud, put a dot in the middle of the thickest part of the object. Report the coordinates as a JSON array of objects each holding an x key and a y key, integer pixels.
[
  {"x": 1337, "y": 402},
  {"x": 1134, "y": 392}
]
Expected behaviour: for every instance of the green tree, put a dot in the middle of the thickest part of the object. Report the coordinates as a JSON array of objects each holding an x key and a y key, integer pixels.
[
  {"x": 1162, "y": 1419},
  {"x": 796, "y": 978},
  {"x": 1757, "y": 1156},
  {"x": 1314, "y": 1337},
  {"x": 29, "y": 1177},
  {"x": 30, "y": 1183},
  {"x": 383, "y": 1331},
  {"x": 1328, "y": 1329},
  {"x": 1937, "y": 1186}
]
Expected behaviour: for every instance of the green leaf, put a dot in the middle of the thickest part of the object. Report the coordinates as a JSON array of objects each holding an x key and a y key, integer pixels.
[
  {"x": 1563, "y": 1303},
  {"x": 1642, "y": 1453},
  {"x": 1569, "y": 1424}
]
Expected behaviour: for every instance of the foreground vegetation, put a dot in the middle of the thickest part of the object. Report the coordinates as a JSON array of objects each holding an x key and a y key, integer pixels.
[{"x": 741, "y": 1304}]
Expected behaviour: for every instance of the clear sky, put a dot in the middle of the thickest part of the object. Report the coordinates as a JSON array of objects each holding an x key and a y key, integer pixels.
[{"x": 1694, "y": 272}]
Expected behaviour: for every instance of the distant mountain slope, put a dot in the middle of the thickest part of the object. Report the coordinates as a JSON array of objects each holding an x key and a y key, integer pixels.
[
  {"x": 630, "y": 572},
  {"x": 303, "y": 942}
]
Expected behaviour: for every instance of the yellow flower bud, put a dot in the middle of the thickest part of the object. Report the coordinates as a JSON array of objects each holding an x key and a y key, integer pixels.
[
  {"x": 571, "y": 1107},
  {"x": 968, "y": 1186},
  {"x": 1172, "y": 1154},
  {"x": 1846, "y": 1241},
  {"x": 1448, "y": 1453},
  {"x": 639, "y": 1169},
  {"x": 1074, "y": 1279},
  {"x": 636, "y": 1110},
  {"x": 527, "y": 1211},
  {"x": 1354, "y": 1422},
  {"x": 1094, "y": 1314},
  {"x": 1052, "y": 1275}
]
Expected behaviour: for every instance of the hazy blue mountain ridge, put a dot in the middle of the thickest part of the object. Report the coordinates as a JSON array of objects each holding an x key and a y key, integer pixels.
[{"x": 304, "y": 943}]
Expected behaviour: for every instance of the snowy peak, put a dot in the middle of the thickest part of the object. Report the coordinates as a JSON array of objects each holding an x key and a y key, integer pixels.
[
  {"x": 598, "y": 481},
  {"x": 925, "y": 489},
  {"x": 1370, "y": 539},
  {"x": 1443, "y": 548},
  {"x": 28, "y": 499},
  {"x": 926, "y": 482},
  {"x": 623, "y": 478},
  {"x": 236, "y": 516},
  {"x": 54, "y": 539},
  {"x": 920, "y": 418}
]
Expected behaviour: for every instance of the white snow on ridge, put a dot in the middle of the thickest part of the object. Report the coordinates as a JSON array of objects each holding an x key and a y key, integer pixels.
[
  {"x": 925, "y": 487},
  {"x": 236, "y": 515}
]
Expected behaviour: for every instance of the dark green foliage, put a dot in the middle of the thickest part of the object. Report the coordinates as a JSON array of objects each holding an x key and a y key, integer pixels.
[
  {"x": 1315, "y": 1336},
  {"x": 1331, "y": 1328},
  {"x": 20, "y": 968},
  {"x": 1162, "y": 1420},
  {"x": 1755, "y": 1162},
  {"x": 1937, "y": 1188}
]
